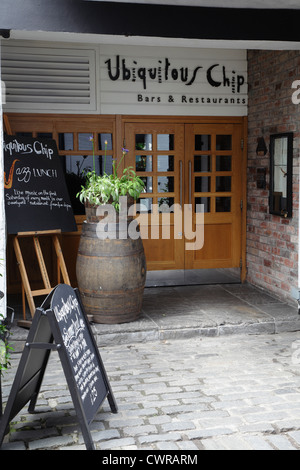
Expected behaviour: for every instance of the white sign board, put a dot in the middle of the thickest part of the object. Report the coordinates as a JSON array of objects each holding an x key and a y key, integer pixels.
[{"x": 173, "y": 81}]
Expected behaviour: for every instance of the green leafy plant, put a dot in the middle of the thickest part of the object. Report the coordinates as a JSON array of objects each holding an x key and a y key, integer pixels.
[
  {"x": 5, "y": 347},
  {"x": 107, "y": 189}
]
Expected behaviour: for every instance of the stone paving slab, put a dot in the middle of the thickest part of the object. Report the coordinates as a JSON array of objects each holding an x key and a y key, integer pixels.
[
  {"x": 191, "y": 311},
  {"x": 205, "y": 393}
]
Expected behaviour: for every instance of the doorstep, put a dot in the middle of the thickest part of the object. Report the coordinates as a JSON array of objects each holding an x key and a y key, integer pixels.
[
  {"x": 189, "y": 311},
  {"x": 180, "y": 312}
]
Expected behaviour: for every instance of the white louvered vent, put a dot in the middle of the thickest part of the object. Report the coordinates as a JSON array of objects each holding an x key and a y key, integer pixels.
[{"x": 48, "y": 79}]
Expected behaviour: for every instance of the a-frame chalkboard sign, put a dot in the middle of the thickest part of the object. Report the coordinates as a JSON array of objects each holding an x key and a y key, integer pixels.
[{"x": 61, "y": 324}]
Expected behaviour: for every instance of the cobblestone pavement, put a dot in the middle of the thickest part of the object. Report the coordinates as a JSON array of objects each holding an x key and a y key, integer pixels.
[{"x": 205, "y": 393}]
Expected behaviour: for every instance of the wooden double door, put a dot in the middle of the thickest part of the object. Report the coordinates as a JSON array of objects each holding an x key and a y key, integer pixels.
[{"x": 191, "y": 213}]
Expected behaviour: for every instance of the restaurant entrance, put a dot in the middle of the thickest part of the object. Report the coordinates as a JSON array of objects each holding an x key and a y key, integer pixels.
[
  {"x": 183, "y": 161},
  {"x": 187, "y": 164}
]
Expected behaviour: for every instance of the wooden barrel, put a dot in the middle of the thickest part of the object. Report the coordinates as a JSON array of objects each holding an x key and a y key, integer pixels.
[
  {"x": 93, "y": 215},
  {"x": 111, "y": 273}
]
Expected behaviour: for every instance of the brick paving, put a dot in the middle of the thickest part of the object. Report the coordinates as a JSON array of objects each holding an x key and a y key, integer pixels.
[{"x": 201, "y": 393}]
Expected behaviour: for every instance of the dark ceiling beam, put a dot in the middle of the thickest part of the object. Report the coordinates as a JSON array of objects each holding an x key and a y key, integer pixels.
[
  {"x": 150, "y": 20},
  {"x": 5, "y": 33}
]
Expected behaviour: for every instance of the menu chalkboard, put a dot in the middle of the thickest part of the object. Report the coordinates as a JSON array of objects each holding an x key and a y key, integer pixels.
[
  {"x": 36, "y": 195},
  {"x": 63, "y": 328},
  {"x": 80, "y": 349}
]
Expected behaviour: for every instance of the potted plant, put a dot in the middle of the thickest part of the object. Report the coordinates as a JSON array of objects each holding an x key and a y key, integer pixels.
[
  {"x": 107, "y": 189},
  {"x": 111, "y": 266},
  {"x": 5, "y": 348}
]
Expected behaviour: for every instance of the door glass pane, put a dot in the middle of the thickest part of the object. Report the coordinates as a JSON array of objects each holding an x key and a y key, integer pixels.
[
  {"x": 44, "y": 135},
  {"x": 202, "y": 163},
  {"x": 85, "y": 141},
  {"x": 104, "y": 140},
  {"x": 202, "y": 142},
  {"x": 65, "y": 141},
  {"x": 202, "y": 184},
  {"x": 223, "y": 183},
  {"x": 144, "y": 204},
  {"x": 165, "y": 162},
  {"x": 24, "y": 134},
  {"x": 223, "y": 163},
  {"x": 165, "y": 203},
  {"x": 223, "y": 142},
  {"x": 202, "y": 208},
  {"x": 165, "y": 141},
  {"x": 80, "y": 165},
  {"x": 223, "y": 204},
  {"x": 106, "y": 164},
  {"x": 143, "y": 141},
  {"x": 165, "y": 184},
  {"x": 143, "y": 163},
  {"x": 148, "y": 184},
  {"x": 76, "y": 167}
]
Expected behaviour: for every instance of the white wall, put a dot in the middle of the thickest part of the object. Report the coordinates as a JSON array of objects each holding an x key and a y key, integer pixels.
[
  {"x": 118, "y": 79},
  {"x": 2, "y": 214}
]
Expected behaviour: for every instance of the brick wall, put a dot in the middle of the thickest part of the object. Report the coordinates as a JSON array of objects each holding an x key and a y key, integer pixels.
[{"x": 272, "y": 241}]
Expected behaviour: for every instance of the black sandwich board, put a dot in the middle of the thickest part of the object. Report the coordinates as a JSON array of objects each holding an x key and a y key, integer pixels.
[
  {"x": 35, "y": 191},
  {"x": 61, "y": 324}
]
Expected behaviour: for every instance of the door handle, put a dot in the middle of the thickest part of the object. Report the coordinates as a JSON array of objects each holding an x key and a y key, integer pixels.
[
  {"x": 180, "y": 182},
  {"x": 190, "y": 182}
]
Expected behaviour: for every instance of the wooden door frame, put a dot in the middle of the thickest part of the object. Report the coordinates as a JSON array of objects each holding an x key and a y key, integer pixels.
[{"x": 122, "y": 120}]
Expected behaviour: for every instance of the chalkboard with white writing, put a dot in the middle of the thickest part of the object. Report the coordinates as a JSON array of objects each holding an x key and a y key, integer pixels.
[
  {"x": 61, "y": 325},
  {"x": 36, "y": 195},
  {"x": 80, "y": 350}
]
